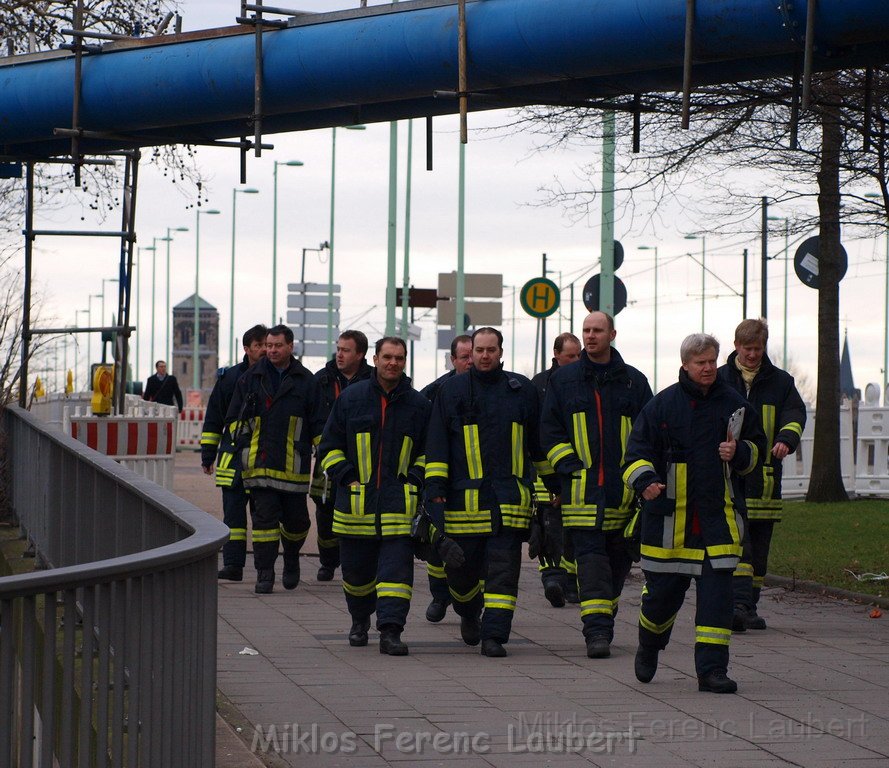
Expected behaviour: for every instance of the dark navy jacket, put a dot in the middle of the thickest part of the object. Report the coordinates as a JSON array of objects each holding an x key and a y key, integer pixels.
[
  {"x": 675, "y": 441},
  {"x": 275, "y": 419},
  {"x": 775, "y": 397},
  {"x": 587, "y": 416},
  {"x": 376, "y": 439}
]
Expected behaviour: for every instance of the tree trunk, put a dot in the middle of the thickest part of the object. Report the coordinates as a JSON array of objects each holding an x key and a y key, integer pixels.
[{"x": 826, "y": 481}]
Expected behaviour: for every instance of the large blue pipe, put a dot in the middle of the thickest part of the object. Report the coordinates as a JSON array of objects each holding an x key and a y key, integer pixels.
[{"x": 385, "y": 63}]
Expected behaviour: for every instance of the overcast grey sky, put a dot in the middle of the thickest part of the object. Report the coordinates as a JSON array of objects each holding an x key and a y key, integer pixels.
[{"x": 506, "y": 232}]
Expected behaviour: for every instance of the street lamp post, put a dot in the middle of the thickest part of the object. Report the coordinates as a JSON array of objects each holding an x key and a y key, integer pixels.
[
  {"x": 703, "y": 239},
  {"x": 292, "y": 163},
  {"x": 169, "y": 239},
  {"x": 90, "y": 337},
  {"x": 195, "y": 358},
  {"x": 102, "y": 323},
  {"x": 153, "y": 249},
  {"x": 231, "y": 303},
  {"x": 654, "y": 248},
  {"x": 330, "y": 238},
  {"x": 786, "y": 259},
  {"x": 77, "y": 314}
]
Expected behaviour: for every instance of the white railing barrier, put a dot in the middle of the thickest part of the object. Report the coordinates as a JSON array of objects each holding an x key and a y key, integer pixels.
[{"x": 797, "y": 469}]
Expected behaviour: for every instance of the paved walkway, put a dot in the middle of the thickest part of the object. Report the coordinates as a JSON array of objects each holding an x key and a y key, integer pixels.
[{"x": 814, "y": 687}]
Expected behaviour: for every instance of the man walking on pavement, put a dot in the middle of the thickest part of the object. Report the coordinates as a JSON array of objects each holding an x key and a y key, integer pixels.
[
  {"x": 217, "y": 447},
  {"x": 372, "y": 450},
  {"x": 162, "y": 387},
  {"x": 559, "y": 581},
  {"x": 589, "y": 410},
  {"x": 773, "y": 394},
  {"x": 275, "y": 417},
  {"x": 684, "y": 449},
  {"x": 347, "y": 367},
  {"x": 482, "y": 445},
  {"x": 461, "y": 361}
]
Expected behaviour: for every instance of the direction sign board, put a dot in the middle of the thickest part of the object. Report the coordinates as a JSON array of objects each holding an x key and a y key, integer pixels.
[
  {"x": 539, "y": 297},
  {"x": 480, "y": 286},
  {"x": 479, "y": 312},
  {"x": 311, "y": 348},
  {"x": 311, "y": 317},
  {"x": 310, "y": 301},
  {"x": 806, "y": 262},
  {"x": 311, "y": 287},
  {"x": 591, "y": 294}
]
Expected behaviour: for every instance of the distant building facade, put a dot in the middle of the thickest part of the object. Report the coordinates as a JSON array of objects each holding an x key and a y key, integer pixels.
[{"x": 183, "y": 344}]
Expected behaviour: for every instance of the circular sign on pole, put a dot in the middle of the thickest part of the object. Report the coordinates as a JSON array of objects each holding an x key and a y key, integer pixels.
[
  {"x": 806, "y": 262},
  {"x": 591, "y": 294},
  {"x": 618, "y": 254},
  {"x": 540, "y": 297}
]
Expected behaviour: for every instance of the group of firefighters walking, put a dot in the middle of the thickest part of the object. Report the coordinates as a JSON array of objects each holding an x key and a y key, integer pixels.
[{"x": 584, "y": 463}]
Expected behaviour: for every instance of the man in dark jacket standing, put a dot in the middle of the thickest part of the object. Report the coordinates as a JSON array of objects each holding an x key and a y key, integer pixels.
[
  {"x": 587, "y": 416},
  {"x": 347, "y": 367},
  {"x": 774, "y": 396},
  {"x": 217, "y": 448},
  {"x": 559, "y": 581},
  {"x": 275, "y": 417},
  {"x": 162, "y": 387},
  {"x": 461, "y": 361},
  {"x": 372, "y": 449},
  {"x": 482, "y": 445},
  {"x": 684, "y": 449}
]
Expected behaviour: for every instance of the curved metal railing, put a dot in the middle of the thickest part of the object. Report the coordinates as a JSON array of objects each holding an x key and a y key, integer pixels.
[{"x": 108, "y": 656}]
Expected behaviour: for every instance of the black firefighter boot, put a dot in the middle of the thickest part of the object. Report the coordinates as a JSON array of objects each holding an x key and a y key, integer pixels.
[
  {"x": 265, "y": 581},
  {"x": 390, "y": 641}
]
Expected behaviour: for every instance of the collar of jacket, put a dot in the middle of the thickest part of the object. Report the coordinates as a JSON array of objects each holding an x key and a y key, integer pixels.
[
  {"x": 265, "y": 368},
  {"x": 487, "y": 377},
  {"x": 766, "y": 366},
  {"x": 614, "y": 368},
  {"x": 332, "y": 373},
  {"x": 403, "y": 385},
  {"x": 693, "y": 390}
]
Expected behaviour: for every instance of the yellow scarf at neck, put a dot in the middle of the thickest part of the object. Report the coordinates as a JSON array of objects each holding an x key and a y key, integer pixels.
[{"x": 748, "y": 374}]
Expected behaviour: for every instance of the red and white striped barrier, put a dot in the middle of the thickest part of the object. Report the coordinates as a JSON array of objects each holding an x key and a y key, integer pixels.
[
  {"x": 120, "y": 438},
  {"x": 191, "y": 423},
  {"x": 144, "y": 444}
]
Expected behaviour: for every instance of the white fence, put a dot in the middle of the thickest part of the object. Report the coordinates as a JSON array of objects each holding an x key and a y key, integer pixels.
[{"x": 798, "y": 465}]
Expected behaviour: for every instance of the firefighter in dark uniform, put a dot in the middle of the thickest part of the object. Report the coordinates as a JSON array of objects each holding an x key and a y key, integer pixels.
[
  {"x": 559, "y": 581},
  {"x": 482, "y": 446},
  {"x": 587, "y": 416},
  {"x": 774, "y": 396},
  {"x": 684, "y": 448},
  {"x": 347, "y": 367},
  {"x": 275, "y": 416},
  {"x": 461, "y": 360},
  {"x": 217, "y": 447},
  {"x": 372, "y": 450}
]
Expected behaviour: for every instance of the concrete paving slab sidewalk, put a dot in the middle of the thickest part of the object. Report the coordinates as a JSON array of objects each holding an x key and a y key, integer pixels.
[{"x": 814, "y": 686}]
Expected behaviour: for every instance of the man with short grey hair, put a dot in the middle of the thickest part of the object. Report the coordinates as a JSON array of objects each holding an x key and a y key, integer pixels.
[{"x": 685, "y": 447}]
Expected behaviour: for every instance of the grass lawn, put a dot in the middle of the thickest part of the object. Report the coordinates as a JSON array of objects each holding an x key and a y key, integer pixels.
[{"x": 817, "y": 542}]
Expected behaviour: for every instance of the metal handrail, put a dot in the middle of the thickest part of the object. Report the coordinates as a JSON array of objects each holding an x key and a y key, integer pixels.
[{"x": 130, "y": 579}]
